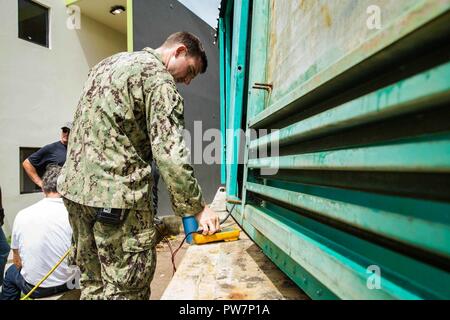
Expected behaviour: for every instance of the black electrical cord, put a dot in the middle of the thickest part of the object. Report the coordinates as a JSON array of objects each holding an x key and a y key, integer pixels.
[
  {"x": 179, "y": 247},
  {"x": 228, "y": 215}
]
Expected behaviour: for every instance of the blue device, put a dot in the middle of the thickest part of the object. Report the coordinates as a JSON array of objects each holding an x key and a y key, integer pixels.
[{"x": 190, "y": 225}]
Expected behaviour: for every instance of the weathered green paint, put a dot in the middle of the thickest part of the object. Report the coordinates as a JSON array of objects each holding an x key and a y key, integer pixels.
[
  {"x": 428, "y": 210},
  {"x": 257, "y": 71},
  {"x": 394, "y": 225},
  {"x": 238, "y": 72},
  {"x": 256, "y": 98},
  {"x": 228, "y": 36},
  {"x": 236, "y": 212},
  {"x": 296, "y": 57},
  {"x": 418, "y": 15},
  {"x": 427, "y": 154},
  {"x": 325, "y": 238},
  {"x": 414, "y": 94},
  {"x": 314, "y": 288},
  {"x": 223, "y": 86},
  {"x": 413, "y": 275},
  {"x": 344, "y": 277}
]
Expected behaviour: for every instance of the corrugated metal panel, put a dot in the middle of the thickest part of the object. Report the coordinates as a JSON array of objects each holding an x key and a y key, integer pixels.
[
  {"x": 363, "y": 180},
  {"x": 307, "y": 37}
]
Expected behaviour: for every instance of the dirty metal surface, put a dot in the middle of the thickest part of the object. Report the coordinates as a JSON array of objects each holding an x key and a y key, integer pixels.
[{"x": 308, "y": 36}]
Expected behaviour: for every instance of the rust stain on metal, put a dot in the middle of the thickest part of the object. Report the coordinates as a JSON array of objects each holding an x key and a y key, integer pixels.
[
  {"x": 302, "y": 4},
  {"x": 306, "y": 4},
  {"x": 326, "y": 16}
]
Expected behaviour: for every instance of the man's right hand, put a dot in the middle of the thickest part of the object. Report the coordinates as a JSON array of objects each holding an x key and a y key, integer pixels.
[
  {"x": 208, "y": 220},
  {"x": 32, "y": 173}
]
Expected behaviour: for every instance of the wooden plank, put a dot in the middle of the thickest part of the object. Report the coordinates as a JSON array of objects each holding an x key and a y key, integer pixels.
[
  {"x": 236, "y": 270},
  {"x": 229, "y": 271}
]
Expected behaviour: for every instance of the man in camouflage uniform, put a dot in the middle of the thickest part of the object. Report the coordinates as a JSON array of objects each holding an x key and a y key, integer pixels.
[{"x": 129, "y": 114}]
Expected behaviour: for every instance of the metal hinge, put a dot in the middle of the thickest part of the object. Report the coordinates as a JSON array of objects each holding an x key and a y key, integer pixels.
[{"x": 263, "y": 86}]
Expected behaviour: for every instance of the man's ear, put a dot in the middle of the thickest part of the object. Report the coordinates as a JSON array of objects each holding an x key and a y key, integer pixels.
[{"x": 181, "y": 50}]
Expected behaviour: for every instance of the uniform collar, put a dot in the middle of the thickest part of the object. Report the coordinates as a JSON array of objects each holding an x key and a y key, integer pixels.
[
  {"x": 154, "y": 53},
  {"x": 159, "y": 58}
]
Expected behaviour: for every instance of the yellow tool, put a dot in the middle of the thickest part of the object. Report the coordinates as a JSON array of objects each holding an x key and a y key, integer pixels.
[
  {"x": 226, "y": 234},
  {"x": 193, "y": 235}
]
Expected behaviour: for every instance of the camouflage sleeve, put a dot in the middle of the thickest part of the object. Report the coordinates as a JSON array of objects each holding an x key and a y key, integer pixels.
[{"x": 166, "y": 122}]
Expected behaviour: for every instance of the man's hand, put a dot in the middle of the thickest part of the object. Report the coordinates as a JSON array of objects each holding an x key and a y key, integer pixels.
[
  {"x": 208, "y": 220},
  {"x": 32, "y": 173}
]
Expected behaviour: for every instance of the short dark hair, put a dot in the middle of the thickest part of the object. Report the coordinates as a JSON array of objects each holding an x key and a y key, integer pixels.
[
  {"x": 50, "y": 178},
  {"x": 193, "y": 44}
]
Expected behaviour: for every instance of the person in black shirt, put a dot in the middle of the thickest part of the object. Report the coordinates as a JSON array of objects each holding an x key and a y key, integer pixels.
[{"x": 54, "y": 153}]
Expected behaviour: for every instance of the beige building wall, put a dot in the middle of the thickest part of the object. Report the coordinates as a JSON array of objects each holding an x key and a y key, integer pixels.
[{"x": 39, "y": 88}]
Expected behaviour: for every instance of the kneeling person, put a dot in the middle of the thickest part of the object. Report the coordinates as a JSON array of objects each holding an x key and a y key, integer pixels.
[{"x": 41, "y": 235}]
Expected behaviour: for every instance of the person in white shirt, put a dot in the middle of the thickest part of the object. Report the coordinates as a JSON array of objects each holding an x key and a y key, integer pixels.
[{"x": 40, "y": 237}]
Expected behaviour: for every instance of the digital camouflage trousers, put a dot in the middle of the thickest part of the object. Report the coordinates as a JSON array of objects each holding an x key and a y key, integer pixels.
[{"x": 116, "y": 262}]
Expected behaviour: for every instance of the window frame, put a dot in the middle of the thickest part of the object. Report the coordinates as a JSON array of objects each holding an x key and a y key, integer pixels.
[
  {"x": 48, "y": 23},
  {"x": 23, "y": 175}
]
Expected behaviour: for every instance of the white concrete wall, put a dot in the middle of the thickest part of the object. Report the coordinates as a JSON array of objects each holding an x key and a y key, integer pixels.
[{"x": 40, "y": 87}]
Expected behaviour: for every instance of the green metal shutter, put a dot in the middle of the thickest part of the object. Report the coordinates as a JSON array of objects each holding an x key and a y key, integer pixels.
[{"x": 364, "y": 134}]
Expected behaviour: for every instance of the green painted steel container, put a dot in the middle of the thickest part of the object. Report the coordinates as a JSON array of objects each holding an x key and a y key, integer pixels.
[{"x": 345, "y": 170}]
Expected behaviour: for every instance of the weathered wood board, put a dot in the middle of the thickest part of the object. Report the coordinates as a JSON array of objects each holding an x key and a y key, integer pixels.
[{"x": 236, "y": 270}]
